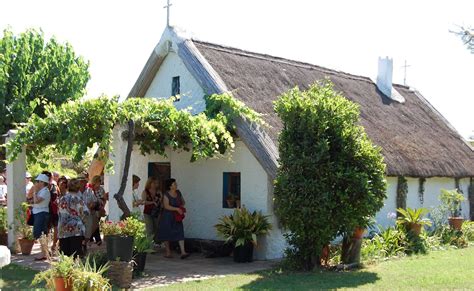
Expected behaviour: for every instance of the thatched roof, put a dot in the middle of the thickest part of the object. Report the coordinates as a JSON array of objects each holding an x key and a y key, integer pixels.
[{"x": 416, "y": 140}]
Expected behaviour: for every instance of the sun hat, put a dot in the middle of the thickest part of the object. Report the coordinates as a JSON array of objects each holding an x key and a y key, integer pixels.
[
  {"x": 28, "y": 175},
  {"x": 42, "y": 178}
]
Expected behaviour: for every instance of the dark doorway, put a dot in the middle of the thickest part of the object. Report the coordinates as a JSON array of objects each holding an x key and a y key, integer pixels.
[{"x": 161, "y": 171}]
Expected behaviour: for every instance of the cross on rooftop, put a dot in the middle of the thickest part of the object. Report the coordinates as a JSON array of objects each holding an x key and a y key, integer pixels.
[
  {"x": 168, "y": 5},
  {"x": 405, "y": 75}
]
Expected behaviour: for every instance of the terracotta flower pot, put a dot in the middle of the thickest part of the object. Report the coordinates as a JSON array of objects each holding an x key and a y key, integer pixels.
[
  {"x": 26, "y": 245},
  {"x": 456, "y": 222},
  {"x": 415, "y": 228},
  {"x": 358, "y": 233},
  {"x": 231, "y": 203},
  {"x": 60, "y": 284}
]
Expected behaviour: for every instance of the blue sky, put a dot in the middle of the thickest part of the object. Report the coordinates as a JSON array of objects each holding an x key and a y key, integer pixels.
[{"x": 118, "y": 36}]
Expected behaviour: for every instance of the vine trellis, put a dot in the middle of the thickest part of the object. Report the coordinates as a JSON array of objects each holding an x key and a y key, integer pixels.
[{"x": 153, "y": 124}]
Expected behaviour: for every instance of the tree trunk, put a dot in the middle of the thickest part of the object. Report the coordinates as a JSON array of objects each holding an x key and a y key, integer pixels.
[
  {"x": 119, "y": 196},
  {"x": 351, "y": 250}
]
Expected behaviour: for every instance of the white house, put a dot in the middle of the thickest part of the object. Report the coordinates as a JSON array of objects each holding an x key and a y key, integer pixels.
[{"x": 417, "y": 141}]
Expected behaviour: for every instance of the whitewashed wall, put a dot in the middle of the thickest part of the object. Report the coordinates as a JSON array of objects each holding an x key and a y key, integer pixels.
[
  {"x": 433, "y": 188},
  {"x": 191, "y": 93},
  {"x": 201, "y": 185}
]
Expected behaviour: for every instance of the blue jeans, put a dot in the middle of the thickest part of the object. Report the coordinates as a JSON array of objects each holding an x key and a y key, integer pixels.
[{"x": 40, "y": 224}]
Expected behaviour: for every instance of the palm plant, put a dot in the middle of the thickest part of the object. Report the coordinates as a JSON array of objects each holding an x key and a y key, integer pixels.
[
  {"x": 413, "y": 216},
  {"x": 243, "y": 227}
]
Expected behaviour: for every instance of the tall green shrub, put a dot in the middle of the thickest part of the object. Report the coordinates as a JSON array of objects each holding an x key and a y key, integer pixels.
[{"x": 331, "y": 176}]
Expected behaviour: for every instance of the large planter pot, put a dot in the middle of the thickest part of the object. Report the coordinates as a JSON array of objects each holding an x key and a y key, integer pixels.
[
  {"x": 26, "y": 245},
  {"x": 243, "y": 254},
  {"x": 456, "y": 222},
  {"x": 119, "y": 247},
  {"x": 60, "y": 284},
  {"x": 4, "y": 238},
  {"x": 140, "y": 261},
  {"x": 415, "y": 228}
]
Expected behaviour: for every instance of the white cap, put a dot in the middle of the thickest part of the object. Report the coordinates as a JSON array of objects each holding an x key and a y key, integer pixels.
[
  {"x": 42, "y": 178},
  {"x": 27, "y": 175}
]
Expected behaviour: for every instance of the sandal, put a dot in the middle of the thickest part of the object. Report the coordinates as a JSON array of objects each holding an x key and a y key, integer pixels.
[
  {"x": 184, "y": 256},
  {"x": 168, "y": 256},
  {"x": 40, "y": 259}
]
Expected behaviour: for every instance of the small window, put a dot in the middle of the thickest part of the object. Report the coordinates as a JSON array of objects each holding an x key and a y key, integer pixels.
[
  {"x": 231, "y": 190},
  {"x": 175, "y": 87}
]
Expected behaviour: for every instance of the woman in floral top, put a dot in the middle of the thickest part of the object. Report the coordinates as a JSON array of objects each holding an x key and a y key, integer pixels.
[{"x": 71, "y": 228}]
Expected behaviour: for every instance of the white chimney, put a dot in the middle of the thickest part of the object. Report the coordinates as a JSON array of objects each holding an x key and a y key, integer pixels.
[{"x": 384, "y": 80}]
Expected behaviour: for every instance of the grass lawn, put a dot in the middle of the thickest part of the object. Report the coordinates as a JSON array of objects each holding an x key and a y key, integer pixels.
[
  {"x": 452, "y": 269},
  {"x": 15, "y": 277}
]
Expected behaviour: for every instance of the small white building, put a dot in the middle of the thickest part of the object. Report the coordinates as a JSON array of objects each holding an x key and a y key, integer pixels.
[{"x": 417, "y": 141}]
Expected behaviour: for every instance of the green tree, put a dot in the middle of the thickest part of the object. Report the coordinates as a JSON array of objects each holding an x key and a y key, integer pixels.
[
  {"x": 35, "y": 72},
  {"x": 331, "y": 177}
]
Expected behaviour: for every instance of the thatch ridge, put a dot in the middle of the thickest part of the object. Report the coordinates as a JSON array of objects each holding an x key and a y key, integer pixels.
[{"x": 416, "y": 140}]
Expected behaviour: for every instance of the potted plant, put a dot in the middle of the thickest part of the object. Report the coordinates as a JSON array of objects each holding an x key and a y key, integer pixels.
[
  {"x": 452, "y": 199},
  {"x": 141, "y": 247},
  {"x": 242, "y": 228},
  {"x": 230, "y": 200},
  {"x": 23, "y": 230},
  {"x": 119, "y": 237},
  {"x": 413, "y": 219},
  {"x": 70, "y": 274},
  {"x": 59, "y": 275},
  {"x": 3, "y": 226}
]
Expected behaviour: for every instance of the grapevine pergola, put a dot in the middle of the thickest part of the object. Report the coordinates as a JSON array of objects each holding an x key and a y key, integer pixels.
[{"x": 153, "y": 124}]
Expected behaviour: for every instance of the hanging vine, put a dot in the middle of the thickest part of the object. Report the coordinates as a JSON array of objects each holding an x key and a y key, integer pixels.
[
  {"x": 402, "y": 191},
  {"x": 76, "y": 126},
  {"x": 421, "y": 189},
  {"x": 226, "y": 108},
  {"x": 457, "y": 185},
  {"x": 470, "y": 191}
]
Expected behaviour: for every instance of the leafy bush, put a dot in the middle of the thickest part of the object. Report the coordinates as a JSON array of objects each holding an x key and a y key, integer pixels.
[
  {"x": 21, "y": 227},
  {"x": 331, "y": 177},
  {"x": 468, "y": 230},
  {"x": 3, "y": 220},
  {"x": 242, "y": 226}
]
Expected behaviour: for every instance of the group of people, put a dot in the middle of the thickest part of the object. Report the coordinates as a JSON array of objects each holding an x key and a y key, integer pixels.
[
  {"x": 69, "y": 208},
  {"x": 72, "y": 208},
  {"x": 162, "y": 211}
]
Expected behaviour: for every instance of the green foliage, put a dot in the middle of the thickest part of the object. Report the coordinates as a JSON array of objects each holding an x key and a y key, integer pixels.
[
  {"x": 63, "y": 267},
  {"x": 331, "y": 176},
  {"x": 35, "y": 73},
  {"x": 84, "y": 275},
  {"x": 20, "y": 225},
  {"x": 134, "y": 227},
  {"x": 414, "y": 216},
  {"x": 74, "y": 127},
  {"x": 389, "y": 242},
  {"x": 143, "y": 244},
  {"x": 226, "y": 108},
  {"x": 452, "y": 199},
  {"x": 50, "y": 159},
  {"x": 467, "y": 229},
  {"x": 242, "y": 226},
  {"x": 3, "y": 220}
]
